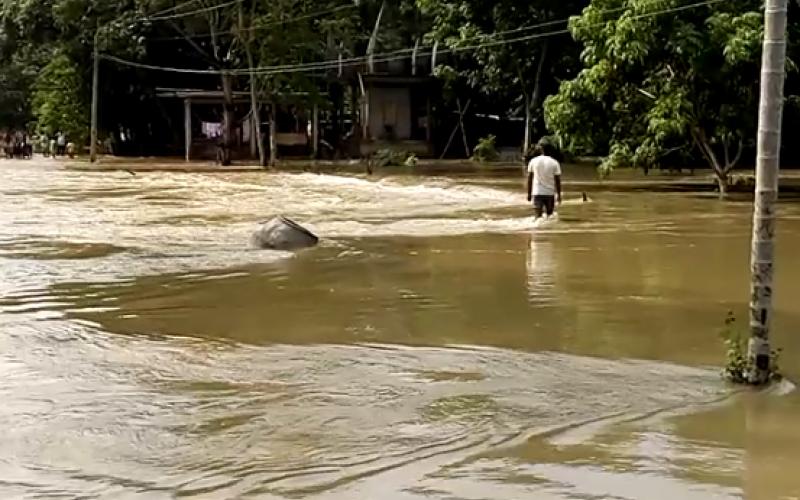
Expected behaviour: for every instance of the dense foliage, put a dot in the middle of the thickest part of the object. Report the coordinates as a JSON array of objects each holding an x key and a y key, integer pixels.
[
  {"x": 656, "y": 85},
  {"x": 58, "y": 104},
  {"x": 639, "y": 82}
]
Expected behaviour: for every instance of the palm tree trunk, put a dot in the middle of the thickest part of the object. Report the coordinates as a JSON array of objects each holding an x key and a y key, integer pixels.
[{"x": 773, "y": 67}]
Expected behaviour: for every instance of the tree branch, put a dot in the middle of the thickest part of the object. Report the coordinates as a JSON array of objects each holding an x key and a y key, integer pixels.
[
  {"x": 725, "y": 147},
  {"x": 522, "y": 80},
  {"x": 537, "y": 89},
  {"x": 736, "y": 158},
  {"x": 701, "y": 140}
]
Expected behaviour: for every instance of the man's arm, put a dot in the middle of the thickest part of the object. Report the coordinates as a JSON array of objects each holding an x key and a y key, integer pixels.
[
  {"x": 558, "y": 187},
  {"x": 530, "y": 185}
]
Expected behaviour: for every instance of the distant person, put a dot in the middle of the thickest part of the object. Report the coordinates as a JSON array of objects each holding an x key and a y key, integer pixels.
[
  {"x": 61, "y": 143},
  {"x": 544, "y": 180}
]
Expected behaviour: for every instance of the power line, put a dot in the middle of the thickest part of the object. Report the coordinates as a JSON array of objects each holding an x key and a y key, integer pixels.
[
  {"x": 347, "y": 7},
  {"x": 347, "y": 61},
  {"x": 260, "y": 26},
  {"x": 174, "y": 8},
  {"x": 391, "y": 56},
  {"x": 194, "y": 12},
  {"x": 332, "y": 64}
]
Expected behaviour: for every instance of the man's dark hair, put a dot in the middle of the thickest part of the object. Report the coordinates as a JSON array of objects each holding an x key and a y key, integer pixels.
[
  {"x": 532, "y": 153},
  {"x": 548, "y": 149}
]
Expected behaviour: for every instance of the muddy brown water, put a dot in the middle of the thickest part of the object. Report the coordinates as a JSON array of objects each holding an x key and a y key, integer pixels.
[{"x": 437, "y": 345}]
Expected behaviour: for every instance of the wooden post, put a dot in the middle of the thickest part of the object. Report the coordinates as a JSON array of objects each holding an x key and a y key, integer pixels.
[
  {"x": 95, "y": 91},
  {"x": 773, "y": 71},
  {"x": 187, "y": 127},
  {"x": 315, "y": 130}
]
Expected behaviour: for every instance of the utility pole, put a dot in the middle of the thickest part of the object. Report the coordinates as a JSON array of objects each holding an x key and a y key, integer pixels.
[
  {"x": 773, "y": 67},
  {"x": 95, "y": 85}
]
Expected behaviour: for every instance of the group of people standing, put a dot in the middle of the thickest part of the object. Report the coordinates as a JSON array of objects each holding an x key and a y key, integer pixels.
[
  {"x": 57, "y": 145},
  {"x": 17, "y": 144}
]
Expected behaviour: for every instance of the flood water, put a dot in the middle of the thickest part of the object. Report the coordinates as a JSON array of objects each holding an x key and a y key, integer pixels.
[{"x": 436, "y": 345}]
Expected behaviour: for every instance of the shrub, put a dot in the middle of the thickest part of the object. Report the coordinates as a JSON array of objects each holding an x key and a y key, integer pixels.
[
  {"x": 392, "y": 158},
  {"x": 486, "y": 150},
  {"x": 738, "y": 365}
]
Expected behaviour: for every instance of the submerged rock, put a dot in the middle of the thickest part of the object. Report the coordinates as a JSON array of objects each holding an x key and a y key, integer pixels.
[{"x": 281, "y": 233}]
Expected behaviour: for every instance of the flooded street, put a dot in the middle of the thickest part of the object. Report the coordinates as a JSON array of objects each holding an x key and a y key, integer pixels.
[{"x": 436, "y": 345}]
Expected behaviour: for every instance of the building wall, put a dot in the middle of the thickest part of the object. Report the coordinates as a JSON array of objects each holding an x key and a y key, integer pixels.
[{"x": 389, "y": 107}]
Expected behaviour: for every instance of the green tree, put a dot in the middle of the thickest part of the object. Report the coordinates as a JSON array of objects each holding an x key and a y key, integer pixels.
[
  {"x": 32, "y": 31},
  {"x": 285, "y": 33},
  {"x": 499, "y": 52},
  {"x": 58, "y": 103},
  {"x": 662, "y": 77},
  {"x": 14, "y": 100}
]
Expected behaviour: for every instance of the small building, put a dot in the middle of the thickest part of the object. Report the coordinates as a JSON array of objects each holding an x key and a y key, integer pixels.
[
  {"x": 397, "y": 113},
  {"x": 296, "y": 133},
  {"x": 391, "y": 105}
]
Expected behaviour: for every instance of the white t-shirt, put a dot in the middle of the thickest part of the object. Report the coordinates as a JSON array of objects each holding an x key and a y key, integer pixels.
[{"x": 544, "y": 170}]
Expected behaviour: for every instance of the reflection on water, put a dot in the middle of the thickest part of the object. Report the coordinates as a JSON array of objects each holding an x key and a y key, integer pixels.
[
  {"x": 438, "y": 344},
  {"x": 541, "y": 276}
]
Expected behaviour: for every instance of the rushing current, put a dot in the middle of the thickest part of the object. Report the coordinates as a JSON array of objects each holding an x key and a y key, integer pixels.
[{"x": 438, "y": 344}]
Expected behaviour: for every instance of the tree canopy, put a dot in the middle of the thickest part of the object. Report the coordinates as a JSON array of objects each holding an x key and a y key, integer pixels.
[
  {"x": 662, "y": 82},
  {"x": 638, "y": 82},
  {"x": 57, "y": 104}
]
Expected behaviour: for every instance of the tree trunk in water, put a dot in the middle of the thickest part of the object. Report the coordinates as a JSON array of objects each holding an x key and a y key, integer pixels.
[
  {"x": 773, "y": 67},
  {"x": 723, "y": 184},
  {"x": 702, "y": 142},
  {"x": 262, "y": 157},
  {"x": 254, "y": 107},
  {"x": 227, "y": 119},
  {"x": 273, "y": 143}
]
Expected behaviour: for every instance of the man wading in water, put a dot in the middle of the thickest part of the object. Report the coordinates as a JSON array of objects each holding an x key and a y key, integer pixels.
[{"x": 544, "y": 180}]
